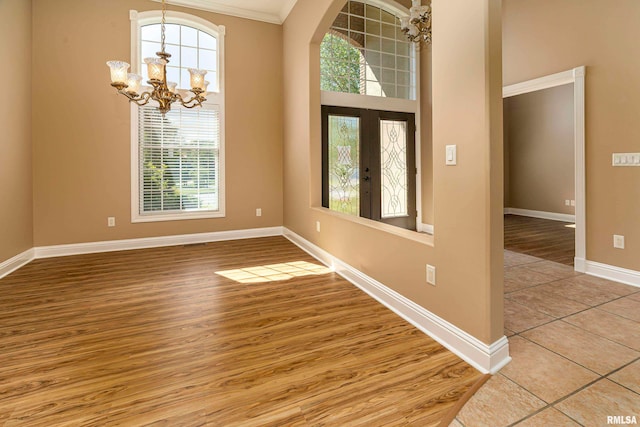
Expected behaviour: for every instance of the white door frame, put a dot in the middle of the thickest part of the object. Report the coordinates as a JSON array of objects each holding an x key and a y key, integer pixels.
[{"x": 575, "y": 76}]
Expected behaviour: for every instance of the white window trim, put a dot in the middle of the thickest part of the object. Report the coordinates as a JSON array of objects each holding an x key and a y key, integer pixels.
[{"x": 139, "y": 19}]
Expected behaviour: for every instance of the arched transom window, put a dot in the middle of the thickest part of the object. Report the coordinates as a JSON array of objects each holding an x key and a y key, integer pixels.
[{"x": 365, "y": 52}]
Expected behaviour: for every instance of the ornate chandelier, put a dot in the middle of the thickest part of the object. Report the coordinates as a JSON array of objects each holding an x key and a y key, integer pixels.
[
  {"x": 164, "y": 92},
  {"x": 417, "y": 26}
]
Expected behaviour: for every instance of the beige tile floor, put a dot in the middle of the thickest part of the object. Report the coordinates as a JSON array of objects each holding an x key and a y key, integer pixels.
[{"x": 575, "y": 344}]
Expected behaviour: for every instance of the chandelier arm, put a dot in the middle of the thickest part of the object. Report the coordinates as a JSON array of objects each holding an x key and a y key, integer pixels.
[
  {"x": 141, "y": 99},
  {"x": 197, "y": 103},
  {"x": 194, "y": 101}
]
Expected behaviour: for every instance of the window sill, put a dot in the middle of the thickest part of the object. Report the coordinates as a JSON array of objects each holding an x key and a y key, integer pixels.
[
  {"x": 176, "y": 216},
  {"x": 416, "y": 236}
]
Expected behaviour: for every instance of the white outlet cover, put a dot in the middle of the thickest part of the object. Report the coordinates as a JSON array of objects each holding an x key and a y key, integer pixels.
[{"x": 618, "y": 241}]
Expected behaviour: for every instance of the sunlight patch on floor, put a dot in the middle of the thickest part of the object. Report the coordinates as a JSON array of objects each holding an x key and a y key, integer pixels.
[{"x": 274, "y": 272}]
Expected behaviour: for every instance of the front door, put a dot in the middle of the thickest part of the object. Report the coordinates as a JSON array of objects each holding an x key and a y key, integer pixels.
[{"x": 368, "y": 164}]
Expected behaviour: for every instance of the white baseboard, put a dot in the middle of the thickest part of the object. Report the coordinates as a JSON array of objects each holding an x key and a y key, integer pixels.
[
  {"x": 540, "y": 214},
  {"x": 425, "y": 228},
  {"x": 153, "y": 242},
  {"x": 485, "y": 358},
  {"x": 12, "y": 264},
  {"x": 617, "y": 274}
]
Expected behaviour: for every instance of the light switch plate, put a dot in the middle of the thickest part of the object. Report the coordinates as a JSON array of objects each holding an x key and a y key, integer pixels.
[{"x": 452, "y": 155}]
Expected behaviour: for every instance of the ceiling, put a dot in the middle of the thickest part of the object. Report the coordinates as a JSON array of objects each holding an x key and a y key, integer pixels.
[{"x": 274, "y": 11}]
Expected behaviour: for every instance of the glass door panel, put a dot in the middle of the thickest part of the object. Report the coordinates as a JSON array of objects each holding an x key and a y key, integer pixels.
[
  {"x": 393, "y": 169},
  {"x": 344, "y": 164}
]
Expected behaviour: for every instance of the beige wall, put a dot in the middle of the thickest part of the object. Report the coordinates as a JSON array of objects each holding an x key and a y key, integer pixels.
[
  {"x": 543, "y": 37},
  {"x": 540, "y": 146},
  {"x": 81, "y": 128},
  {"x": 467, "y": 251},
  {"x": 16, "y": 206}
]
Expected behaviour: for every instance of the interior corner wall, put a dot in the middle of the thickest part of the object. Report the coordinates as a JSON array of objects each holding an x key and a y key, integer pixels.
[
  {"x": 540, "y": 171},
  {"x": 467, "y": 110},
  {"x": 16, "y": 191},
  {"x": 543, "y": 37},
  {"x": 82, "y": 128}
]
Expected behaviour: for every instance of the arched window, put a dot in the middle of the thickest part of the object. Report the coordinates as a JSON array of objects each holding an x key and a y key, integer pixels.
[
  {"x": 178, "y": 158},
  {"x": 369, "y": 84},
  {"x": 365, "y": 52},
  {"x": 189, "y": 48}
]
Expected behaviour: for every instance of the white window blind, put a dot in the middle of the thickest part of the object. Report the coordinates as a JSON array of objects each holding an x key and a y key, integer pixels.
[{"x": 179, "y": 162}]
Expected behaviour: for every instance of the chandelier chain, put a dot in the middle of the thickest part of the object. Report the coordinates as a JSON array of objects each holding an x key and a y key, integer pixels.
[{"x": 163, "y": 22}]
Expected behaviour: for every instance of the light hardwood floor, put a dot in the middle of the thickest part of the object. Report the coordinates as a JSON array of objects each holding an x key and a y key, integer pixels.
[{"x": 241, "y": 333}]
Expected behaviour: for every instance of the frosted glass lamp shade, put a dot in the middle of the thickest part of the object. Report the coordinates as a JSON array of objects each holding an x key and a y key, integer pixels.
[
  {"x": 205, "y": 85},
  {"x": 197, "y": 78},
  {"x": 118, "y": 71},
  {"x": 404, "y": 22},
  {"x": 172, "y": 86},
  {"x": 133, "y": 83},
  {"x": 155, "y": 68}
]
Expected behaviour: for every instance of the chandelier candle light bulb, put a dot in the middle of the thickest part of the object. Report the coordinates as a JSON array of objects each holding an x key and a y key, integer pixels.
[{"x": 162, "y": 92}]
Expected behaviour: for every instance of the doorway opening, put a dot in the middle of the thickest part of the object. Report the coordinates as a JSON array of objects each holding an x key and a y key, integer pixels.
[{"x": 543, "y": 218}]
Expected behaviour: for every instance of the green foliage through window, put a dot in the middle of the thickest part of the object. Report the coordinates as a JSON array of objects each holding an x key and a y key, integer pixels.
[{"x": 339, "y": 65}]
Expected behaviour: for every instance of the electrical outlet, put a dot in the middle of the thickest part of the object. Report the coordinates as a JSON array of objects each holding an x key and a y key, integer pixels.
[
  {"x": 573, "y": 203},
  {"x": 111, "y": 221},
  {"x": 618, "y": 241},
  {"x": 259, "y": 212},
  {"x": 318, "y": 226},
  {"x": 567, "y": 202},
  {"x": 431, "y": 275}
]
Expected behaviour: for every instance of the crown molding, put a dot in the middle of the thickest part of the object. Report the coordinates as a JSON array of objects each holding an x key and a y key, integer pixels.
[
  {"x": 286, "y": 9},
  {"x": 218, "y": 7}
]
